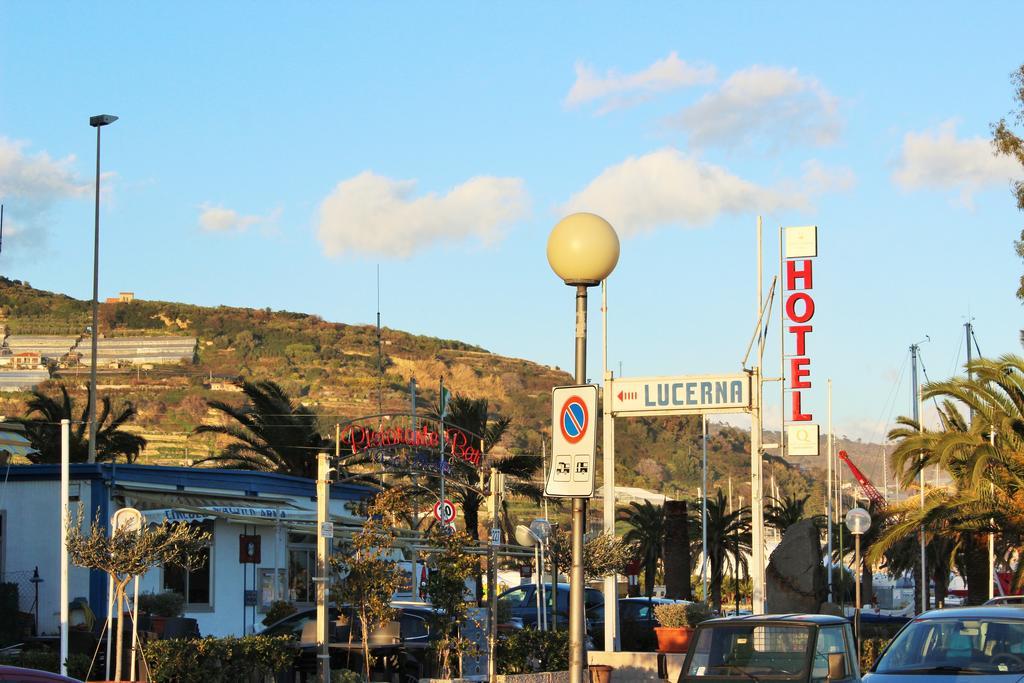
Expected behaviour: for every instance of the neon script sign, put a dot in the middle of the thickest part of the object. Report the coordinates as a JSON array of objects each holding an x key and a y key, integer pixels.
[{"x": 456, "y": 443}]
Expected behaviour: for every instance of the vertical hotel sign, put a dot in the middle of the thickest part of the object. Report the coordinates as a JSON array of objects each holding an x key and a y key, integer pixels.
[{"x": 801, "y": 248}]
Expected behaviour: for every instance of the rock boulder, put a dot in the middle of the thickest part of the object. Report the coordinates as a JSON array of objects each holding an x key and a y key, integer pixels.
[{"x": 795, "y": 576}]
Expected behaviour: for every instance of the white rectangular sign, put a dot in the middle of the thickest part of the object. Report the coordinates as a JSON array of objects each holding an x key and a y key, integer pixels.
[
  {"x": 573, "y": 442},
  {"x": 803, "y": 439},
  {"x": 692, "y": 394}
]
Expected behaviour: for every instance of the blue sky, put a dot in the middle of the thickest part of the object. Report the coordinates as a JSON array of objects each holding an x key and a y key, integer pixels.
[{"x": 276, "y": 154}]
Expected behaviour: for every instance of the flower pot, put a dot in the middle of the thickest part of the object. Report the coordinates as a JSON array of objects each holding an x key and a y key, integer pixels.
[{"x": 673, "y": 639}]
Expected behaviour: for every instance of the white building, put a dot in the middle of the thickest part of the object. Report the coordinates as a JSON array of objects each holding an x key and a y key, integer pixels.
[{"x": 226, "y": 596}]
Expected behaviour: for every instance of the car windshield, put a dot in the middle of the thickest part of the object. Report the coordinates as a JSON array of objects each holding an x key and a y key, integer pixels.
[
  {"x": 951, "y": 645},
  {"x": 751, "y": 651}
]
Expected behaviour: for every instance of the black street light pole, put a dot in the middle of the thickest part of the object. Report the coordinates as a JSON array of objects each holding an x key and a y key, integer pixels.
[{"x": 96, "y": 122}]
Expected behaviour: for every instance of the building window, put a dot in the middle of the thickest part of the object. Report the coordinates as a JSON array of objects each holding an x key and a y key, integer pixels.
[
  {"x": 301, "y": 567},
  {"x": 195, "y": 585}
]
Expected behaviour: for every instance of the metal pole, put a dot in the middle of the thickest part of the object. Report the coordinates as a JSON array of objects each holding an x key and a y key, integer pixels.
[
  {"x": 611, "y": 582},
  {"x": 440, "y": 436},
  {"x": 135, "y": 628},
  {"x": 323, "y": 494},
  {"x": 95, "y": 307},
  {"x": 576, "y": 612},
  {"x": 543, "y": 588},
  {"x": 65, "y": 519},
  {"x": 917, "y": 418},
  {"x": 704, "y": 511},
  {"x": 991, "y": 535},
  {"x": 537, "y": 582},
  {"x": 492, "y": 580},
  {"x": 856, "y": 619},
  {"x": 757, "y": 497},
  {"x": 828, "y": 497}
]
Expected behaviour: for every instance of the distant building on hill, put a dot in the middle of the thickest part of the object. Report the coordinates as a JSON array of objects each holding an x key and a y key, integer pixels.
[{"x": 122, "y": 298}]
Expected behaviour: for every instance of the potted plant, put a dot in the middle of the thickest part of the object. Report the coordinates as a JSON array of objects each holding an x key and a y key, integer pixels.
[
  {"x": 677, "y": 621},
  {"x": 160, "y": 607}
]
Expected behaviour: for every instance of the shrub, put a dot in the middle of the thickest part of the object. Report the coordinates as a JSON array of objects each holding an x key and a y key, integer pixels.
[
  {"x": 278, "y": 610},
  {"x": 166, "y": 604},
  {"x": 870, "y": 648},
  {"x": 681, "y": 615},
  {"x": 530, "y": 651},
  {"x": 218, "y": 660}
]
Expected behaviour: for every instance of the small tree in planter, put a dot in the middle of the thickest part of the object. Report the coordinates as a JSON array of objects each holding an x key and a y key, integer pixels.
[
  {"x": 450, "y": 567},
  {"x": 603, "y": 554},
  {"x": 372, "y": 577},
  {"x": 677, "y": 621},
  {"x": 128, "y": 553}
]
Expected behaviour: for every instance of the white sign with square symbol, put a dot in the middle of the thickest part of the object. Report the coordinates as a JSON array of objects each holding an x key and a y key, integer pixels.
[
  {"x": 573, "y": 442},
  {"x": 802, "y": 439}
]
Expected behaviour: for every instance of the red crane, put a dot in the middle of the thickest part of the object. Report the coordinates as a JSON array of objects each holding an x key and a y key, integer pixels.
[{"x": 869, "y": 489}]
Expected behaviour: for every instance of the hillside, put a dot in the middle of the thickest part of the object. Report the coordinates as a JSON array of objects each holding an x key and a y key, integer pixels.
[{"x": 333, "y": 368}]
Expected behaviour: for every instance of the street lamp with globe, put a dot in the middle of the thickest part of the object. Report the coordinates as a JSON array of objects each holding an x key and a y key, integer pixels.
[
  {"x": 858, "y": 521},
  {"x": 582, "y": 250}
]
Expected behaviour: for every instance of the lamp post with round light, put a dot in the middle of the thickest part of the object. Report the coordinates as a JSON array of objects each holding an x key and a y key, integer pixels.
[
  {"x": 96, "y": 122},
  {"x": 858, "y": 521},
  {"x": 582, "y": 250}
]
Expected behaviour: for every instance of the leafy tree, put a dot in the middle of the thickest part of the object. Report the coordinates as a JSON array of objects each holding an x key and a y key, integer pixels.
[
  {"x": 42, "y": 426},
  {"x": 647, "y": 532},
  {"x": 450, "y": 567},
  {"x": 271, "y": 432},
  {"x": 1007, "y": 143},
  {"x": 129, "y": 552},
  {"x": 372, "y": 576},
  {"x": 603, "y": 554}
]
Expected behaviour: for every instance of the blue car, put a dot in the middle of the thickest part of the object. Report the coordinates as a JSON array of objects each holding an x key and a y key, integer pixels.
[{"x": 942, "y": 646}]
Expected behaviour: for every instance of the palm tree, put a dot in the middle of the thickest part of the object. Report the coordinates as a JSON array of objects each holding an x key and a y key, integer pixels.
[
  {"x": 473, "y": 420},
  {"x": 780, "y": 514},
  {"x": 647, "y": 531},
  {"x": 728, "y": 541},
  {"x": 984, "y": 458},
  {"x": 44, "y": 431},
  {"x": 271, "y": 433}
]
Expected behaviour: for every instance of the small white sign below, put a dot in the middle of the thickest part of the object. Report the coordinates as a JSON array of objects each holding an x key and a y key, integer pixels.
[
  {"x": 801, "y": 241},
  {"x": 802, "y": 439},
  {"x": 496, "y": 536},
  {"x": 327, "y": 530}
]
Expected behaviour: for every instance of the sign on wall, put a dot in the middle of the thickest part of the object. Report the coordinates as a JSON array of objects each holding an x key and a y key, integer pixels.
[{"x": 573, "y": 442}]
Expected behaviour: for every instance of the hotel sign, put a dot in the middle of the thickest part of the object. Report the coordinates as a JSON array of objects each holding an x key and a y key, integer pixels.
[{"x": 801, "y": 247}]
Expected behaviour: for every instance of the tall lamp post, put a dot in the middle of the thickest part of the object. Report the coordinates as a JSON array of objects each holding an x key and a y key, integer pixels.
[
  {"x": 582, "y": 250},
  {"x": 96, "y": 122},
  {"x": 858, "y": 521}
]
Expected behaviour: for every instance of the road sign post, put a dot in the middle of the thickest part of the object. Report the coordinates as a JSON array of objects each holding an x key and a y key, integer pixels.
[{"x": 573, "y": 443}]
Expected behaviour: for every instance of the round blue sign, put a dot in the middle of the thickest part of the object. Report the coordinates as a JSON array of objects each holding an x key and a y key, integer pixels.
[{"x": 574, "y": 419}]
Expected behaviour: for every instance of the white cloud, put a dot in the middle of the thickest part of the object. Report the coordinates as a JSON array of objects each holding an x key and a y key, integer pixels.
[
  {"x": 819, "y": 179},
  {"x": 621, "y": 90},
  {"x": 761, "y": 103},
  {"x": 667, "y": 187},
  {"x": 374, "y": 214},
  {"x": 218, "y": 219},
  {"x": 30, "y": 185},
  {"x": 937, "y": 160}
]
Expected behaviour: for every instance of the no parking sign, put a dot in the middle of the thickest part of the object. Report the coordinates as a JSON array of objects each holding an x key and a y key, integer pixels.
[{"x": 573, "y": 442}]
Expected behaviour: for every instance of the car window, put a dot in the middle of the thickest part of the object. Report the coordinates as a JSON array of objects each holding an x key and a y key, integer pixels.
[
  {"x": 629, "y": 611},
  {"x": 830, "y": 640},
  {"x": 292, "y": 626},
  {"x": 744, "y": 651},
  {"x": 412, "y": 626},
  {"x": 974, "y": 644},
  {"x": 593, "y": 598},
  {"x": 517, "y": 597}
]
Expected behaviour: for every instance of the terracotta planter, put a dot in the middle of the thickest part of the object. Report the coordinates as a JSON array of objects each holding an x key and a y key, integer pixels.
[{"x": 673, "y": 639}]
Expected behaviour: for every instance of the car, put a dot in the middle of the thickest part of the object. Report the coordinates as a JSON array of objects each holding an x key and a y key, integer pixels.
[
  {"x": 984, "y": 643},
  {"x": 796, "y": 648},
  {"x": 16, "y": 674},
  {"x": 400, "y": 647},
  {"x": 636, "y": 624},
  {"x": 521, "y": 602},
  {"x": 1005, "y": 600}
]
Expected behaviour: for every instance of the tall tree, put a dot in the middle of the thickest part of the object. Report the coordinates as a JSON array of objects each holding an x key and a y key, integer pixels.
[
  {"x": 1007, "y": 143},
  {"x": 646, "y": 523},
  {"x": 728, "y": 542},
  {"x": 42, "y": 426},
  {"x": 271, "y": 432},
  {"x": 780, "y": 514}
]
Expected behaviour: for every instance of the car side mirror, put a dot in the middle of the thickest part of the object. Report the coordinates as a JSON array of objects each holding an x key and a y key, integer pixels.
[{"x": 836, "y": 666}]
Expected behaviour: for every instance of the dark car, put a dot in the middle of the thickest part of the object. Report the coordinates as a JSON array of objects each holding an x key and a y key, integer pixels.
[
  {"x": 399, "y": 648},
  {"x": 983, "y": 643},
  {"x": 16, "y": 674},
  {"x": 521, "y": 602},
  {"x": 637, "y": 622},
  {"x": 1006, "y": 600}
]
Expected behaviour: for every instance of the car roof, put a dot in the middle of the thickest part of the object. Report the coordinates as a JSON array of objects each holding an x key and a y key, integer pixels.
[
  {"x": 660, "y": 601},
  {"x": 35, "y": 673},
  {"x": 977, "y": 612},
  {"x": 784, "y": 618}
]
